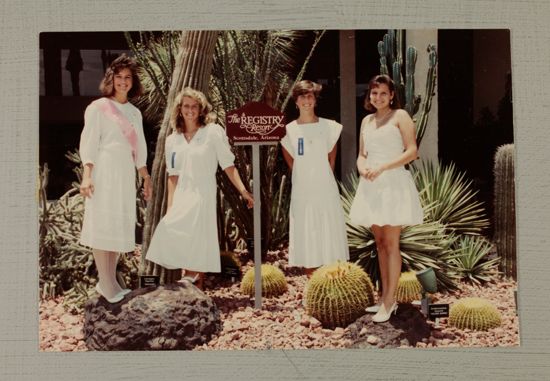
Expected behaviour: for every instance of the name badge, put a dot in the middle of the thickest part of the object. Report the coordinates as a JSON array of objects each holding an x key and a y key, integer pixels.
[
  {"x": 300, "y": 146},
  {"x": 173, "y": 159}
]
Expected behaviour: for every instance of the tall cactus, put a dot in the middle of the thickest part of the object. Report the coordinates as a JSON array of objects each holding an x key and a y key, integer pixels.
[
  {"x": 504, "y": 213},
  {"x": 390, "y": 49}
]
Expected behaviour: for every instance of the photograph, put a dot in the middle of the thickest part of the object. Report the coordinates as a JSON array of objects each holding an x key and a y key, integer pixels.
[{"x": 284, "y": 189}]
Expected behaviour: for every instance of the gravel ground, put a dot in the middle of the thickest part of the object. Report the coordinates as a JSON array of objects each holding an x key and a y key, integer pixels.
[{"x": 282, "y": 323}]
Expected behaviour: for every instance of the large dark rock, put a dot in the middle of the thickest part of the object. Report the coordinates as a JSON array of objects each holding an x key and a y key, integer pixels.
[{"x": 175, "y": 316}]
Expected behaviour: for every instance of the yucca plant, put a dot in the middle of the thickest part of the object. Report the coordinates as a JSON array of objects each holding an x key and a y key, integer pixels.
[
  {"x": 452, "y": 197},
  {"x": 422, "y": 246},
  {"x": 472, "y": 260}
]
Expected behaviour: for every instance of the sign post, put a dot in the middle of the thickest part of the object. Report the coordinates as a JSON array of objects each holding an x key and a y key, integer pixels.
[{"x": 256, "y": 124}]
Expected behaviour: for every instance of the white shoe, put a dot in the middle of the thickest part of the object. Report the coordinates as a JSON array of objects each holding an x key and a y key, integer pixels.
[
  {"x": 382, "y": 315},
  {"x": 373, "y": 309},
  {"x": 115, "y": 299},
  {"x": 125, "y": 291}
]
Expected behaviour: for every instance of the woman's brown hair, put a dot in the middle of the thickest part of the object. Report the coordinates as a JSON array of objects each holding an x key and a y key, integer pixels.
[
  {"x": 304, "y": 87},
  {"x": 377, "y": 81},
  {"x": 122, "y": 62}
]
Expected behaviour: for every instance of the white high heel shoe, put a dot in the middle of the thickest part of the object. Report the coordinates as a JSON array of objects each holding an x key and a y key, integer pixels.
[
  {"x": 382, "y": 315},
  {"x": 373, "y": 309}
]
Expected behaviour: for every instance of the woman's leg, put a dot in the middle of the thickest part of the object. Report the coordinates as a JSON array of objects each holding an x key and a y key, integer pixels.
[
  {"x": 105, "y": 262},
  {"x": 382, "y": 259},
  {"x": 200, "y": 278},
  {"x": 392, "y": 235}
]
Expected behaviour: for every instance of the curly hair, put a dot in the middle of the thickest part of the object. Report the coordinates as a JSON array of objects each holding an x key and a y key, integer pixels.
[
  {"x": 121, "y": 62},
  {"x": 376, "y": 81},
  {"x": 304, "y": 87},
  {"x": 205, "y": 113}
]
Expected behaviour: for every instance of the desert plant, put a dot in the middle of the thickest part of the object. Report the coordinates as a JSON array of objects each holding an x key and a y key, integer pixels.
[
  {"x": 391, "y": 63},
  {"x": 504, "y": 209},
  {"x": 474, "y": 313},
  {"x": 451, "y": 196},
  {"x": 63, "y": 262},
  {"x": 422, "y": 246},
  {"x": 408, "y": 288},
  {"x": 273, "y": 281},
  {"x": 338, "y": 294},
  {"x": 471, "y": 259}
]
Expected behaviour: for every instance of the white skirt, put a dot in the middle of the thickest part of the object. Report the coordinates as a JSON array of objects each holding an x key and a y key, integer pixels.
[
  {"x": 317, "y": 233},
  {"x": 187, "y": 236},
  {"x": 391, "y": 199},
  {"x": 110, "y": 214}
]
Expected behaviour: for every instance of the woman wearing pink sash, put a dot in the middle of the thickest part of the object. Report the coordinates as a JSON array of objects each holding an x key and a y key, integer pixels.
[{"x": 112, "y": 145}]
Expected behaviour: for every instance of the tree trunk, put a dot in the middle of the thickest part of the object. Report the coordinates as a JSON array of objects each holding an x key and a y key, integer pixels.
[{"x": 193, "y": 68}]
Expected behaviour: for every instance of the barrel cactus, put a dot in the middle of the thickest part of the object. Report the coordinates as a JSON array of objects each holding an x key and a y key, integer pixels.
[
  {"x": 408, "y": 288},
  {"x": 273, "y": 282},
  {"x": 338, "y": 294},
  {"x": 474, "y": 313},
  {"x": 505, "y": 214}
]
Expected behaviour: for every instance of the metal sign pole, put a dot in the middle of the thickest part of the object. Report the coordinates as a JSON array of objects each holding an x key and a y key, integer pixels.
[{"x": 257, "y": 226}]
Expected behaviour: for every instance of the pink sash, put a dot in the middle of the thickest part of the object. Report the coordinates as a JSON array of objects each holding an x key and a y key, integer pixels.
[{"x": 113, "y": 113}]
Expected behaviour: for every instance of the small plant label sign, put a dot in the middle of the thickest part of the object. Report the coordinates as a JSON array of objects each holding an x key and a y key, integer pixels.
[
  {"x": 149, "y": 280},
  {"x": 438, "y": 311}
]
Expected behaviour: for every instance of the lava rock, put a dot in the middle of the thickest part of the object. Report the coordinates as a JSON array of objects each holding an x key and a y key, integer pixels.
[{"x": 174, "y": 316}]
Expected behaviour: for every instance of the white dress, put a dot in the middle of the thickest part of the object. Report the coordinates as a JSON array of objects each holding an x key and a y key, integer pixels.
[
  {"x": 110, "y": 214},
  {"x": 317, "y": 233},
  {"x": 392, "y": 198},
  {"x": 187, "y": 236}
]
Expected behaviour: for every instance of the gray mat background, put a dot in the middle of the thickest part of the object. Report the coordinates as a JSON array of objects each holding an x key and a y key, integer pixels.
[{"x": 20, "y": 25}]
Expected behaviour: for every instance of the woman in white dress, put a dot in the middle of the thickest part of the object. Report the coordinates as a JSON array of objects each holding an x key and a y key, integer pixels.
[
  {"x": 386, "y": 197},
  {"x": 112, "y": 146},
  {"x": 317, "y": 233},
  {"x": 187, "y": 236}
]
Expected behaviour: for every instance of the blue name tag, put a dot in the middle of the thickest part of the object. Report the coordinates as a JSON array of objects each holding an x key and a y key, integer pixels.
[{"x": 300, "y": 146}]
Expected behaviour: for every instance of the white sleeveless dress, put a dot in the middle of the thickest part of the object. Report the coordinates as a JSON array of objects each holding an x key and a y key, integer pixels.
[
  {"x": 317, "y": 231},
  {"x": 392, "y": 198}
]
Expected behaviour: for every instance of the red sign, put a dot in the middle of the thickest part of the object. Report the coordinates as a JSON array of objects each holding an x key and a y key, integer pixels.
[{"x": 255, "y": 122}]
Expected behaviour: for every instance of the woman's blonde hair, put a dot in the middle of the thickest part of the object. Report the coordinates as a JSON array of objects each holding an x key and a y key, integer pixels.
[{"x": 205, "y": 113}]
